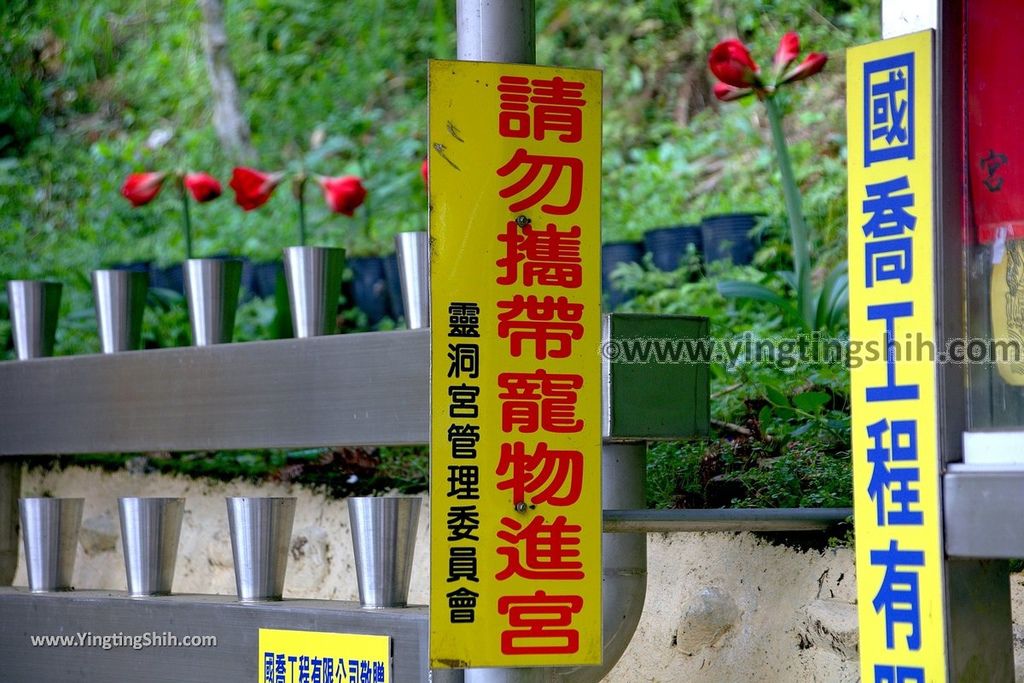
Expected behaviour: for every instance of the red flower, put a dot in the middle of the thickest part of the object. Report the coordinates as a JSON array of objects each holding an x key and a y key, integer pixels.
[
  {"x": 141, "y": 188},
  {"x": 425, "y": 170},
  {"x": 812, "y": 64},
  {"x": 253, "y": 188},
  {"x": 727, "y": 93},
  {"x": 789, "y": 48},
  {"x": 731, "y": 62},
  {"x": 204, "y": 187},
  {"x": 344, "y": 194}
]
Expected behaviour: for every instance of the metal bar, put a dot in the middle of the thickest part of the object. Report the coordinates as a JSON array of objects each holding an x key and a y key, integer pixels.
[
  {"x": 783, "y": 519},
  {"x": 235, "y": 625},
  {"x": 496, "y": 31},
  {"x": 356, "y": 389},
  {"x": 343, "y": 390},
  {"x": 982, "y": 510}
]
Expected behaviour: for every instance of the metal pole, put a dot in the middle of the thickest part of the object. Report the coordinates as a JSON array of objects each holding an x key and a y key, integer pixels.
[
  {"x": 496, "y": 31},
  {"x": 624, "y": 575},
  {"x": 792, "y": 519}
]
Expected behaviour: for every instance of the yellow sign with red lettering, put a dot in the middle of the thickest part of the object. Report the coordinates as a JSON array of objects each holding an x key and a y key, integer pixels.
[
  {"x": 896, "y": 472},
  {"x": 515, "y": 232}
]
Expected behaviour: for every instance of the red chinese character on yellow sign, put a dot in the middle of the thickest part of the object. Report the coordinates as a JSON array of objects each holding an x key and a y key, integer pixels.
[
  {"x": 549, "y": 104},
  {"x": 554, "y": 166},
  {"x": 548, "y": 257},
  {"x": 542, "y": 321},
  {"x": 539, "y": 400},
  {"x": 541, "y": 549},
  {"x": 553, "y": 477},
  {"x": 540, "y": 617}
]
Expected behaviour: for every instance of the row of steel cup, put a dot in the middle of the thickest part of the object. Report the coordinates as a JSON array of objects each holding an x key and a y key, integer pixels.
[
  {"x": 383, "y": 537},
  {"x": 313, "y": 276}
]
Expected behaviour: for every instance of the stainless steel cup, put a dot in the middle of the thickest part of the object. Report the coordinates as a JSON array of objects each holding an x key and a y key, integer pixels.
[
  {"x": 314, "y": 282},
  {"x": 34, "y": 307},
  {"x": 211, "y": 288},
  {"x": 261, "y": 532},
  {"x": 150, "y": 528},
  {"x": 120, "y": 297},
  {"x": 414, "y": 272},
  {"x": 50, "y": 527},
  {"x": 384, "y": 538}
]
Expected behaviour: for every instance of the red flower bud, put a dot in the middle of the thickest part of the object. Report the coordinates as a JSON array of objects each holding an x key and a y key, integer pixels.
[
  {"x": 253, "y": 188},
  {"x": 731, "y": 63},
  {"x": 789, "y": 48},
  {"x": 425, "y": 170},
  {"x": 204, "y": 187},
  {"x": 141, "y": 188},
  {"x": 344, "y": 194},
  {"x": 812, "y": 64},
  {"x": 727, "y": 93}
]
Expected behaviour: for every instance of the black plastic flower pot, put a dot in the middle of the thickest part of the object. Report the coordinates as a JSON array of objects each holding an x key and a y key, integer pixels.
[
  {"x": 612, "y": 254},
  {"x": 370, "y": 287},
  {"x": 395, "y": 302},
  {"x": 668, "y": 246},
  {"x": 727, "y": 237},
  {"x": 265, "y": 277},
  {"x": 134, "y": 266},
  {"x": 167, "y": 278}
]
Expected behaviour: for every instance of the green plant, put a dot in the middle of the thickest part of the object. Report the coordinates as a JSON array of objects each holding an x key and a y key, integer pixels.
[{"x": 740, "y": 77}]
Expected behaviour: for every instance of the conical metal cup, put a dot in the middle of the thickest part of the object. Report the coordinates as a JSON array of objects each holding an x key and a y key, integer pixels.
[
  {"x": 314, "y": 282},
  {"x": 120, "y": 297},
  {"x": 261, "y": 531},
  {"x": 150, "y": 529},
  {"x": 384, "y": 538},
  {"x": 211, "y": 288},
  {"x": 34, "y": 307},
  {"x": 413, "y": 250},
  {"x": 49, "y": 527}
]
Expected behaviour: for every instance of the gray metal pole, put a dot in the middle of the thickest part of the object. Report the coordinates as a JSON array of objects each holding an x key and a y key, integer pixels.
[
  {"x": 624, "y": 575},
  {"x": 792, "y": 519},
  {"x": 496, "y": 31}
]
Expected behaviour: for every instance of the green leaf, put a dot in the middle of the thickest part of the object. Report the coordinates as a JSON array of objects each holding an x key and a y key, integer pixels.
[
  {"x": 736, "y": 289},
  {"x": 832, "y": 298},
  {"x": 775, "y": 396},
  {"x": 811, "y": 401}
]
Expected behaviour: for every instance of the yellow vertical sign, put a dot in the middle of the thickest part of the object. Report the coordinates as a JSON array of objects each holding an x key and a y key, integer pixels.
[
  {"x": 896, "y": 472},
  {"x": 515, "y": 172}
]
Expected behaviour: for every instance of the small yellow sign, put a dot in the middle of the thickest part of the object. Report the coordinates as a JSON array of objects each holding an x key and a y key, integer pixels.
[
  {"x": 318, "y": 657},
  {"x": 896, "y": 472},
  {"x": 515, "y": 184}
]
